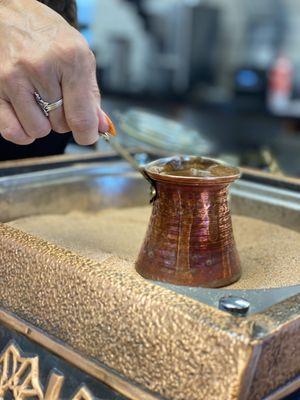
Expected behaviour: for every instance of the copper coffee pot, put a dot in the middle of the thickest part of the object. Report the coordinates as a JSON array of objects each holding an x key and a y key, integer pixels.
[{"x": 190, "y": 239}]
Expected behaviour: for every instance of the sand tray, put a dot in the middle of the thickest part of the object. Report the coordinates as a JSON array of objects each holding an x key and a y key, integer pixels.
[{"x": 270, "y": 254}]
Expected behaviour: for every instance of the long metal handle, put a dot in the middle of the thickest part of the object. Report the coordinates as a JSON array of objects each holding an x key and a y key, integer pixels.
[{"x": 124, "y": 153}]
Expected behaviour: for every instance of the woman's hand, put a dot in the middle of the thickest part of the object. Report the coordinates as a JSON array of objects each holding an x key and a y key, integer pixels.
[{"x": 41, "y": 52}]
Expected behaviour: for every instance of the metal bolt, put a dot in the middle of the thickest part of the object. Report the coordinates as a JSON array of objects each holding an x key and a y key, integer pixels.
[
  {"x": 234, "y": 305},
  {"x": 153, "y": 194},
  {"x": 152, "y": 191}
]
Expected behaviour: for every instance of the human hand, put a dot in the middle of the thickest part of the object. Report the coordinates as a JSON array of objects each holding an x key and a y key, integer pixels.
[{"x": 41, "y": 52}]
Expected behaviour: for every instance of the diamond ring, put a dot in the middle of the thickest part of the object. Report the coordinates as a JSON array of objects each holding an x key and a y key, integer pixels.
[{"x": 45, "y": 106}]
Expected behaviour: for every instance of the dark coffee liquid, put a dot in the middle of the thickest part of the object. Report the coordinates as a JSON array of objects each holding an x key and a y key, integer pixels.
[{"x": 202, "y": 168}]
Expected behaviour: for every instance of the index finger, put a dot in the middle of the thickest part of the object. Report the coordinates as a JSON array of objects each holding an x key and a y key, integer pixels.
[
  {"x": 81, "y": 116},
  {"x": 81, "y": 103}
]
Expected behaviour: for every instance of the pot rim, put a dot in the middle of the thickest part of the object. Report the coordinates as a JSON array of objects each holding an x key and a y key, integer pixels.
[{"x": 152, "y": 170}]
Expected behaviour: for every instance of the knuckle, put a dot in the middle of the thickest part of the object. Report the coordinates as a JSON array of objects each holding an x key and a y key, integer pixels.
[
  {"x": 81, "y": 124},
  {"x": 10, "y": 75},
  {"x": 23, "y": 62},
  {"x": 10, "y": 134},
  {"x": 74, "y": 53},
  {"x": 39, "y": 131},
  {"x": 70, "y": 53},
  {"x": 13, "y": 81},
  {"x": 15, "y": 136},
  {"x": 60, "y": 128},
  {"x": 86, "y": 140},
  {"x": 79, "y": 50},
  {"x": 58, "y": 122},
  {"x": 38, "y": 67}
]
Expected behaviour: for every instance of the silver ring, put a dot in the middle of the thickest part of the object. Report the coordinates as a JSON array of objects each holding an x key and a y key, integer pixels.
[{"x": 45, "y": 106}]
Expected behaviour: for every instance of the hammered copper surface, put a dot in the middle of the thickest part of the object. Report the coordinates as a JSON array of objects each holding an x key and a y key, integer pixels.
[
  {"x": 190, "y": 239},
  {"x": 278, "y": 340},
  {"x": 172, "y": 345}
]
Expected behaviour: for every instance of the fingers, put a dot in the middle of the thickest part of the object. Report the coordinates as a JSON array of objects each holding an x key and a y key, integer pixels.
[
  {"x": 76, "y": 83},
  {"x": 80, "y": 111},
  {"x": 57, "y": 118},
  {"x": 10, "y": 127},
  {"x": 27, "y": 111},
  {"x": 81, "y": 103},
  {"x": 51, "y": 92},
  {"x": 81, "y": 116}
]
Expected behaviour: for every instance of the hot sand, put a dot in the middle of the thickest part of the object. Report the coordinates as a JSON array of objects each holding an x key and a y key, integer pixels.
[{"x": 270, "y": 254}]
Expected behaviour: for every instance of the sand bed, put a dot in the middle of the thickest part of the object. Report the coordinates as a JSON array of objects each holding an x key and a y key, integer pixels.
[{"x": 270, "y": 254}]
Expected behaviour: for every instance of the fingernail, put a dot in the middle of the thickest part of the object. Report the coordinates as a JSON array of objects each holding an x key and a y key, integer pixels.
[
  {"x": 103, "y": 123},
  {"x": 106, "y": 124}
]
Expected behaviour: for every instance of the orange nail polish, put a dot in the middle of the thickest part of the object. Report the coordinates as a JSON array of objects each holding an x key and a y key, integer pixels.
[{"x": 112, "y": 129}]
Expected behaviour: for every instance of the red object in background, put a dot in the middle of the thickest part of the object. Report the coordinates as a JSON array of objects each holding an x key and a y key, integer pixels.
[
  {"x": 281, "y": 76},
  {"x": 280, "y": 84}
]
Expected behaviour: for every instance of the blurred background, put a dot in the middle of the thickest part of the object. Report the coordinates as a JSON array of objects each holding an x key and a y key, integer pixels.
[{"x": 228, "y": 71}]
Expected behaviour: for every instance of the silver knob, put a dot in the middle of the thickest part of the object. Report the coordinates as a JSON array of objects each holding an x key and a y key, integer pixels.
[{"x": 234, "y": 305}]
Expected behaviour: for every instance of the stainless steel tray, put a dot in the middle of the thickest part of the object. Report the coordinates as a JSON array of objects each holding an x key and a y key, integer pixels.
[{"x": 95, "y": 186}]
